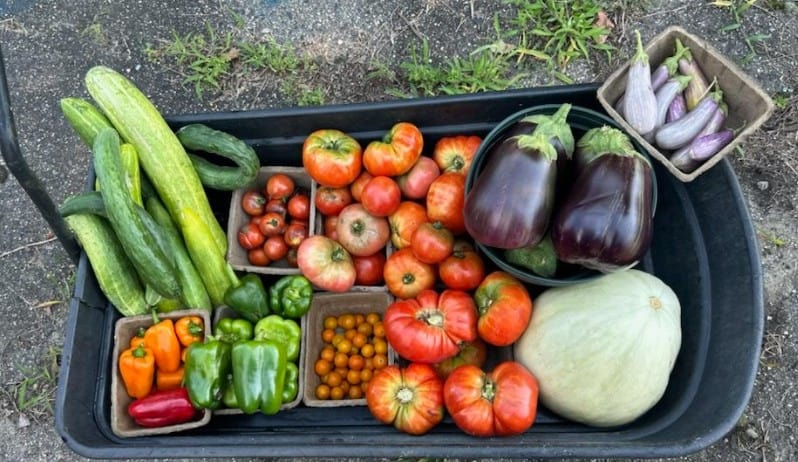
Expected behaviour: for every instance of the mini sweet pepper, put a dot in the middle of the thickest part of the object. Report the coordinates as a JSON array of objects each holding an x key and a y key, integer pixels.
[
  {"x": 163, "y": 408},
  {"x": 248, "y": 298},
  {"x": 207, "y": 370},
  {"x": 137, "y": 368},
  {"x": 291, "y": 296},
  {"x": 160, "y": 337},
  {"x": 258, "y": 375},
  {"x": 285, "y": 332}
]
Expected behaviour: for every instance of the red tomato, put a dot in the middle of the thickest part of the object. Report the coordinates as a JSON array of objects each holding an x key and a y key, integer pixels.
[
  {"x": 505, "y": 308},
  {"x": 332, "y": 158},
  {"x": 279, "y": 186},
  {"x": 455, "y": 153},
  {"x": 381, "y": 196},
  {"x": 396, "y": 153},
  {"x": 405, "y": 275},
  {"x": 445, "y": 200},
  {"x": 474, "y": 353},
  {"x": 464, "y": 269},
  {"x": 258, "y": 257},
  {"x": 431, "y": 327},
  {"x": 360, "y": 232},
  {"x": 404, "y": 221},
  {"x": 253, "y": 202},
  {"x": 325, "y": 263},
  {"x": 356, "y": 188},
  {"x": 276, "y": 206},
  {"x": 250, "y": 236},
  {"x": 272, "y": 224},
  {"x": 330, "y": 201},
  {"x": 291, "y": 257},
  {"x": 295, "y": 233},
  {"x": 331, "y": 227},
  {"x": 503, "y": 402},
  {"x": 298, "y": 206},
  {"x": 369, "y": 269},
  {"x": 415, "y": 183},
  {"x": 275, "y": 247},
  {"x": 432, "y": 243},
  {"x": 410, "y": 399}
]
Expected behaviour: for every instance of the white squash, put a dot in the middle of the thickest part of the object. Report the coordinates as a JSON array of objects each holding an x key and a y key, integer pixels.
[{"x": 603, "y": 350}]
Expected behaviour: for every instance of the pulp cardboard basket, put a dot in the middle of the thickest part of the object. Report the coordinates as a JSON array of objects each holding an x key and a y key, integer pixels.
[{"x": 704, "y": 248}]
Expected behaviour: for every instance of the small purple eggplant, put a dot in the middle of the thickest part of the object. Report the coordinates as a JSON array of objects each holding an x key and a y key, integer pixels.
[
  {"x": 511, "y": 201},
  {"x": 698, "y": 86},
  {"x": 677, "y": 109},
  {"x": 605, "y": 222},
  {"x": 667, "y": 69},
  {"x": 667, "y": 93},
  {"x": 639, "y": 102},
  {"x": 701, "y": 149},
  {"x": 680, "y": 132}
]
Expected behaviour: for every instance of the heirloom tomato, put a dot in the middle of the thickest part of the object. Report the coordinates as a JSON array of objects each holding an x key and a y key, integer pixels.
[
  {"x": 381, "y": 196},
  {"x": 396, "y": 153},
  {"x": 464, "y": 269},
  {"x": 405, "y": 275},
  {"x": 332, "y": 158},
  {"x": 432, "y": 242},
  {"x": 455, "y": 153},
  {"x": 404, "y": 221},
  {"x": 502, "y": 402},
  {"x": 505, "y": 308},
  {"x": 410, "y": 399},
  {"x": 474, "y": 353},
  {"x": 430, "y": 327},
  {"x": 356, "y": 187},
  {"x": 330, "y": 201},
  {"x": 445, "y": 200},
  {"x": 368, "y": 269},
  {"x": 415, "y": 183},
  {"x": 360, "y": 232},
  {"x": 325, "y": 263}
]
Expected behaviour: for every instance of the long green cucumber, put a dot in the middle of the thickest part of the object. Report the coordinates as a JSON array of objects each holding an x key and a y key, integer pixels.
[
  {"x": 153, "y": 265},
  {"x": 85, "y": 118},
  {"x": 200, "y": 137},
  {"x": 112, "y": 268},
  {"x": 194, "y": 293},
  {"x": 216, "y": 273},
  {"x": 161, "y": 155},
  {"x": 130, "y": 162}
]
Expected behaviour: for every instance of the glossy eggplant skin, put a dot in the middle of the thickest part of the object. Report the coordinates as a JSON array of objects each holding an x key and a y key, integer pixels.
[
  {"x": 605, "y": 222},
  {"x": 511, "y": 202}
]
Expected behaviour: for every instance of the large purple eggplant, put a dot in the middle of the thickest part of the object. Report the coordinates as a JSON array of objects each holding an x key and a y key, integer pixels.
[
  {"x": 511, "y": 201},
  {"x": 605, "y": 222}
]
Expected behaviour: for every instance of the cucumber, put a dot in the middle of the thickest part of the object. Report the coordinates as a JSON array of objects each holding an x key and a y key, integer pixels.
[
  {"x": 199, "y": 137},
  {"x": 112, "y": 268},
  {"x": 216, "y": 273},
  {"x": 85, "y": 118},
  {"x": 194, "y": 293},
  {"x": 153, "y": 265},
  {"x": 130, "y": 162},
  {"x": 161, "y": 155}
]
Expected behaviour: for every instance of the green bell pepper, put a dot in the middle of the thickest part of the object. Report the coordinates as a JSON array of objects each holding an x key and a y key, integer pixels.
[
  {"x": 291, "y": 385},
  {"x": 285, "y": 332},
  {"x": 232, "y": 330},
  {"x": 291, "y": 296},
  {"x": 229, "y": 396},
  {"x": 249, "y": 298},
  {"x": 206, "y": 372},
  {"x": 259, "y": 375}
]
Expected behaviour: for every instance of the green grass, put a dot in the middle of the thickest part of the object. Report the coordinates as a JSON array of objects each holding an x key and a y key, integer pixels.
[
  {"x": 34, "y": 394},
  {"x": 737, "y": 9},
  {"x": 781, "y": 101}
]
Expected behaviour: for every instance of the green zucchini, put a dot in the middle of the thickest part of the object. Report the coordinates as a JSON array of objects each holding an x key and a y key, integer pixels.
[
  {"x": 199, "y": 137},
  {"x": 161, "y": 155},
  {"x": 194, "y": 293},
  {"x": 216, "y": 273},
  {"x": 112, "y": 268},
  {"x": 85, "y": 118},
  {"x": 153, "y": 264}
]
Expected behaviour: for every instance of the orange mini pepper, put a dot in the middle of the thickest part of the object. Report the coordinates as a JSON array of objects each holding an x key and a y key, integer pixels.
[
  {"x": 137, "y": 367},
  {"x": 169, "y": 380},
  {"x": 138, "y": 339},
  {"x": 162, "y": 340},
  {"x": 189, "y": 329}
]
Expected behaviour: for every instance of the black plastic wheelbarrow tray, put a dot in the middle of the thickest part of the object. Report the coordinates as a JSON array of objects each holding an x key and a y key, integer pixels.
[{"x": 704, "y": 247}]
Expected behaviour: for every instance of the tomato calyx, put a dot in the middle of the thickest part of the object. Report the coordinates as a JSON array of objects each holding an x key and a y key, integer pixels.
[
  {"x": 338, "y": 254},
  {"x": 458, "y": 163},
  {"x": 432, "y": 317},
  {"x": 485, "y": 305},
  {"x": 358, "y": 227},
  {"x": 334, "y": 144},
  {"x": 488, "y": 389},
  {"x": 408, "y": 278},
  {"x": 405, "y": 395}
]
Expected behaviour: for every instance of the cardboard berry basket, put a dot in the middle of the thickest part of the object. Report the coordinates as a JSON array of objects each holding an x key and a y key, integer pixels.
[{"x": 704, "y": 248}]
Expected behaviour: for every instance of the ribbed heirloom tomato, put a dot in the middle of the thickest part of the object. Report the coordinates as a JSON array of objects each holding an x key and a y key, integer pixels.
[
  {"x": 431, "y": 327},
  {"x": 503, "y": 402},
  {"x": 404, "y": 221},
  {"x": 455, "y": 153},
  {"x": 405, "y": 275},
  {"x": 410, "y": 399},
  {"x": 332, "y": 158},
  {"x": 505, "y": 308},
  {"x": 396, "y": 153}
]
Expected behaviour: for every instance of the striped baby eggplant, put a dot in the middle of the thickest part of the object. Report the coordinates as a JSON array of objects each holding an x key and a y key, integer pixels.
[
  {"x": 666, "y": 94},
  {"x": 677, "y": 109},
  {"x": 678, "y": 133},
  {"x": 702, "y": 148},
  {"x": 667, "y": 69},
  {"x": 639, "y": 101},
  {"x": 698, "y": 86}
]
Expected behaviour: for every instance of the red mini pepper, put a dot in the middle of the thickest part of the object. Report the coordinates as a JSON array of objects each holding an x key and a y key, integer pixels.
[{"x": 163, "y": 408}]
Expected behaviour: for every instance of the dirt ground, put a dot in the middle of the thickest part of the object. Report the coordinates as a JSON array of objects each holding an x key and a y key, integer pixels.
[{"x": 48, "y": 45}]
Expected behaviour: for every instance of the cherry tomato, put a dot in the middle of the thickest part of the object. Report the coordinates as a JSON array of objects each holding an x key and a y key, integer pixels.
[
  {"x": 381, "y": 196},
  {"x": 330, "y": 201},
  {"x": 272, "y": 224},
  {"x": 410, "y": 399},
  {"x": 405, "y": 275},
  {"x": 253, "y": 202},
  {"x": 502, "y": 402},
  {"x": 298, "y": 206},
  {"x": 279, "y": 186},
  {"x": 368, "y": 269},
  {"x": 331, "y": 157},
  {"x": 250, "y": 236},
  {"x": 275, "y": 247}
]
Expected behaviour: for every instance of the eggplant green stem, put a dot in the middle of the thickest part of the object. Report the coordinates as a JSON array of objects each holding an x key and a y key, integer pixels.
[
  {"x": 555, "y": 126},
  {"x": 640, "y": 54},
  {"x": 539, "y": 142}
]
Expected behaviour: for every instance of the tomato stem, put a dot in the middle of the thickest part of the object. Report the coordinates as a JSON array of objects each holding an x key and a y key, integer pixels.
[
  {"x": 488, "y": 389},
  {"x": 404, "y": 395},
  {"x": 408, "y": 278},
  {"x": 433, "y": 318}
]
